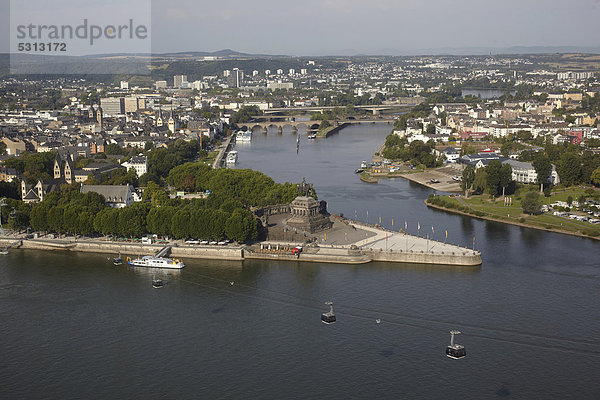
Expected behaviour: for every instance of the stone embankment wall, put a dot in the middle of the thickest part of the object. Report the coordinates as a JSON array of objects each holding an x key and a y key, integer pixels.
[
  {"x": 131, "y": 249},
  {"x": 460, "y": 257}
]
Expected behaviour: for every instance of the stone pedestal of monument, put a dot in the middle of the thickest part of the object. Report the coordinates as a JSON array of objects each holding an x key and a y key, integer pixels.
[{"x": 308, "y": 215}]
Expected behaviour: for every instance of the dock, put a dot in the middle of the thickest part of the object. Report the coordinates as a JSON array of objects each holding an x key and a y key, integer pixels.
[{"x": 164, "y": 252}]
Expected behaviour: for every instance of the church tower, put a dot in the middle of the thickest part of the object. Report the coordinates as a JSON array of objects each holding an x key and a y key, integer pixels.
[{"x": 99, "y": 117}]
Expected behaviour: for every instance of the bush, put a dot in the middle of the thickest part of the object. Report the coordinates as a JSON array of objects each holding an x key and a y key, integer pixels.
[{"x": 521, "y": 219}]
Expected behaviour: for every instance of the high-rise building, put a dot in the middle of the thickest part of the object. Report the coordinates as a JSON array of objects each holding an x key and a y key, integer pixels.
[
  {"x": 124, "y": 85},
  {"x": 267, "y": 72},
  {"x": 178, "y": 80},
  {"x": 292, "y": 71},
  {"x": 255, "y": 73},
  {"x": 303, "y": 71},
  {"x": 236, "y": 78},
  {"x": 227, "y": 73},
  {"x": 112, "y": 106},
  {"x": 160, "y": 84},
  {"x": 279, "y": 71}
]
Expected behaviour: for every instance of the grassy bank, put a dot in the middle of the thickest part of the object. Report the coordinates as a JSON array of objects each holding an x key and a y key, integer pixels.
[{"x": 495, "y": 210}]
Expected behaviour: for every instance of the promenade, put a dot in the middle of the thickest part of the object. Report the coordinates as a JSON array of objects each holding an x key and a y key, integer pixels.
[{"x": 348, "y": 242}]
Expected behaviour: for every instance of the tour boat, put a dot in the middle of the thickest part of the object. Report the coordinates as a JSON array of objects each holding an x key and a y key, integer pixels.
[
  {"x": 231, "y": 157},
  {"x": 156, "y": 262},
  {"x": 242, "y": 136}
]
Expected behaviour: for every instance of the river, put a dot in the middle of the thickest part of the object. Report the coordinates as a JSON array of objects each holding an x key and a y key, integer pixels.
[{"x": 75, "y": 326}]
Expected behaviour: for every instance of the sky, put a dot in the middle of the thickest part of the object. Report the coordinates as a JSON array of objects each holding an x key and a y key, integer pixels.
[{"x": 347, "y": 27}]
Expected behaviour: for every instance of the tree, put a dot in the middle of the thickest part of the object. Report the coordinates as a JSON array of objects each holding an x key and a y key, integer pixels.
[
  {"x": 468, "y": 176},
  {"x": 430, "y": 129},
  {"x": 531, "y": 203},
  {"x": 324, "y": 125},
  {"x": 596, "y": 176},
  {"x": 569, "y": 169},
  {"x": 543, "y": 168},
  {"x": 493, "y": 176},
  {"x": 480, "y": 181},
  {"x": 505, "y": 177}
]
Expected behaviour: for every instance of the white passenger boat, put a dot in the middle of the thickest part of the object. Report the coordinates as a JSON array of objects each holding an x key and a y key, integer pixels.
[
  {"x": 242, "y": 136},
  {"x": 156, "y": 262},
  {"x": 231, "y": 157}
]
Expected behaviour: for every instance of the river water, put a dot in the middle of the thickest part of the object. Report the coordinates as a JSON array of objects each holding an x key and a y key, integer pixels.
[{"x": 75, "y": 326}]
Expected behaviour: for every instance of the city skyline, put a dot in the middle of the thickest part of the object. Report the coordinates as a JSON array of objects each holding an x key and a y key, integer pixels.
[{"x": 380, "y": 27}]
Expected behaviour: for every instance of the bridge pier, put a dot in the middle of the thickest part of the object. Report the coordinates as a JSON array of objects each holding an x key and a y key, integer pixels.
[
  {"x": 294, "y": 129},
  {"x": 264, "y": 130},
  {"x": 280, "y": 130}
]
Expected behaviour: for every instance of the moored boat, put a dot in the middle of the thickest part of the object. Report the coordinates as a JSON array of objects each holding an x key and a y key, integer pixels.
[
  {"x": 231, "y": 157},
  {"x": 242, "y": 136},
  {"x": 156, "y": 262}
]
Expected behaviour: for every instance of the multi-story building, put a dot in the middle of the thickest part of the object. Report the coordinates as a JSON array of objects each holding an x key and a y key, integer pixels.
[
  {"x": 139, "y": 163},
  {"x": 116, "y": 196},
  {"x": 131, "y": 104},
  {"x": 178, "y": 80},
  {"x": 236, "y": 78},
  {"x": 280, "y": 85},
  {"x": 112, "y": 106}
]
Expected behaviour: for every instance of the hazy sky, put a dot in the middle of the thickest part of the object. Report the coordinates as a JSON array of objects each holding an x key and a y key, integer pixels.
[{"x": 322, "y": 27}]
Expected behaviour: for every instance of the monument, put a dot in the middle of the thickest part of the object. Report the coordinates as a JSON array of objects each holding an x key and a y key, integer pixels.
[{"x": 307, "y": 213}]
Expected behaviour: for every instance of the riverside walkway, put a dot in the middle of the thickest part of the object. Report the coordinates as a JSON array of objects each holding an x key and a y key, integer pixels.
[{"x": 219, "y": 160}]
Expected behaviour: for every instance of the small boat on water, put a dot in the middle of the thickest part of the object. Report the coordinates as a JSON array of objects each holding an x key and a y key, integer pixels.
[
  {"x": 359, "y": 170},
  {"x": 311, "y": 136},
  {"x": 328, "y": 317},
  {"x": 157, "y": 283},
  {"x": 231, "y": 157},
  {"x": 4, "y": 251},
  {"x": 118, "y": 260},
  {"x": 156, "y": 262}
]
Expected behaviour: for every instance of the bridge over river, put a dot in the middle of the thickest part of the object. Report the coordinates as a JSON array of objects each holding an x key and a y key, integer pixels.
[{"x": 289, "y": 121}]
